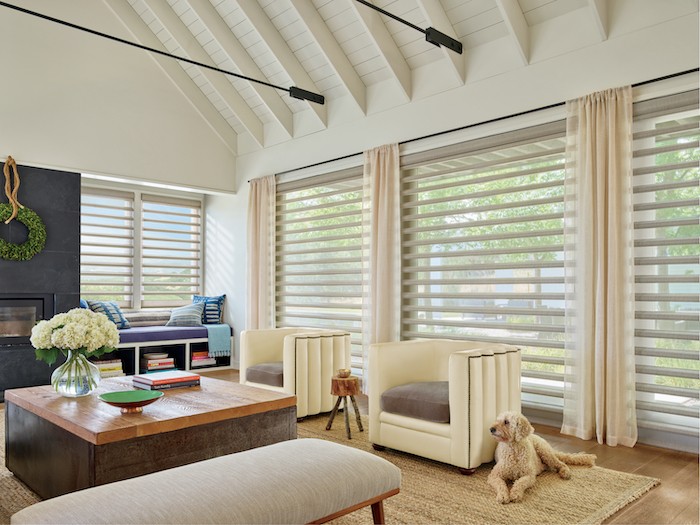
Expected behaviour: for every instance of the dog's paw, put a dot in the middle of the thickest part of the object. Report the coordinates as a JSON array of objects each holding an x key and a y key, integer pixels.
[
  {"x": 503, "y": 497},
  {"x": 565, "y": 472},
  {"x": 516, "y": 496}
]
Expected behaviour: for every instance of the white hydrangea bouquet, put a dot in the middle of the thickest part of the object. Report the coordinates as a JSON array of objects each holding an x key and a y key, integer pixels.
[{"x": 79, "y": 330}]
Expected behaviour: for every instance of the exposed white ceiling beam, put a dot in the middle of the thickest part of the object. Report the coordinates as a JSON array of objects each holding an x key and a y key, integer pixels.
[
  {"x": 182, "y": 81},
  {"x": 388, "y": 49},
  {"x": 245, "y": 64},
  {"x": 517, "y": 26},
  {"x": 184, "y": 38},
  {"x": 437, "y": 18},
  {"x": 599, "y": 8},
  {"x": 278, "y": 47},
  {"x": 332, "y": 51}
]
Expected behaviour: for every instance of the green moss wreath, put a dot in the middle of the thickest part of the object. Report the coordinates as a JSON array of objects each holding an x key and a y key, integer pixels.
[{"x": 35, "y": 240}]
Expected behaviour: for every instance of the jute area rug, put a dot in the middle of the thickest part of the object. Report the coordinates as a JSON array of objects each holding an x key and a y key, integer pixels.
[{"x": 432, "y": 492}]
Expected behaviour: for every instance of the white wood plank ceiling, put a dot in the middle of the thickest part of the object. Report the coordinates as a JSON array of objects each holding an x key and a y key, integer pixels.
[{"x": 338, "y": 48}]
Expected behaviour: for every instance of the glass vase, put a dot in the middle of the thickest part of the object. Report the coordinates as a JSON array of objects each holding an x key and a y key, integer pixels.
[{"x": 76, "y": 377}]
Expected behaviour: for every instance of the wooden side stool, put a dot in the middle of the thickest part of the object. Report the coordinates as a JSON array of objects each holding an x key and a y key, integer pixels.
[{"x": 345, "y": 387}]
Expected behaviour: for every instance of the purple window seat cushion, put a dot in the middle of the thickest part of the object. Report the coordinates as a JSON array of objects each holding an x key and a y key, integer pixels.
[{"x": 145, "y": 334}]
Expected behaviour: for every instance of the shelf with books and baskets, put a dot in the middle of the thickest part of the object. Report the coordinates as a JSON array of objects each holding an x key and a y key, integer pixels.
[{"x": 134, "y": 356}]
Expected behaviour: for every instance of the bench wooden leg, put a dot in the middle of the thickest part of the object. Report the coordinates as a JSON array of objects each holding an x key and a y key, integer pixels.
[{"x": 378, "y": 512}]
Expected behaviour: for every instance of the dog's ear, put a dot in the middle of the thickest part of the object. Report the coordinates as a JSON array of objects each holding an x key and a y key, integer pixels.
[{"x": 523, "y": 428}]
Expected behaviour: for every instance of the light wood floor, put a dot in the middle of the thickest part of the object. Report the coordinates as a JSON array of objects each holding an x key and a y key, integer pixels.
[{"x": 674, "y": 501}]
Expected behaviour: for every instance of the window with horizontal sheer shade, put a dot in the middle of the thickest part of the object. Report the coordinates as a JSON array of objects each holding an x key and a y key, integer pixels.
[
  {"x": 666, "y": 186},
  {"x": 140, "y": 250},
  {"x": 318, "y": 267},
  {"x": 483, "y": 249},
  {"x": 107, "y": 261}
]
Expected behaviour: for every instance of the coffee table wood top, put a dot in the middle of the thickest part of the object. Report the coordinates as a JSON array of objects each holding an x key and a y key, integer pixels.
[{"x": 97, "y": 422}]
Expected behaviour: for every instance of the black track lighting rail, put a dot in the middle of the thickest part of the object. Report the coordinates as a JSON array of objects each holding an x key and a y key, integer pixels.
[
  {"x": 432, "y": 35},
  {"x": 293, "y": 91}
]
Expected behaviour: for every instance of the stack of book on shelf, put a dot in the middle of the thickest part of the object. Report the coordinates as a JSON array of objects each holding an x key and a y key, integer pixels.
[
  {"x": 157, "y": 361},
  {"x": 201, "y": 358},
  {"x": 109, "y": 367},
  {"x": 166, "y": 380}
]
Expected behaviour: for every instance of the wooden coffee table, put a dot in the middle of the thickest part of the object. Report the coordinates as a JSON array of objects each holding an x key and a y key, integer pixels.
[{"x": 57, "y": 445}]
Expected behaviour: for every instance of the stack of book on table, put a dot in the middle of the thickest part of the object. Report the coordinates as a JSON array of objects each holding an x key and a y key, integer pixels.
[
  {"x": 109, "y": 367},
  {"x": 165, "y": 380},
  {"x": 201, "y": 358},
  {"x": 157, "y": 361}
]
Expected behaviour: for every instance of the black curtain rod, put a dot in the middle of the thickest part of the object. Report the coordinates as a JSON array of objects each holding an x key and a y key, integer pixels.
[
  {"x": 293, "y": 91},
  {"x": 497, "y": 119}
]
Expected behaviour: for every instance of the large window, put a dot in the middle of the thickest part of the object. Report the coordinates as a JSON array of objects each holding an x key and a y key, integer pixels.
[
  {"x": 483, "y": 248},
  {"x": 666, "y": 186},
  {"x": 483, "y": 254},
  {"x": 319, "y": 255},
  {"x": 140, "y": 250}
]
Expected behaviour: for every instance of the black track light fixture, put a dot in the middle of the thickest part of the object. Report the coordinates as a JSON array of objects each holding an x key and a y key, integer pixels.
[
  {"x": 432, "y": 35},
  {"x": 293, "y": 91}
]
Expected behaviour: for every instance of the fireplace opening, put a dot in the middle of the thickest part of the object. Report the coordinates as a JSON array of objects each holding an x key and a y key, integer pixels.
[{"x": 19, "y": 313}]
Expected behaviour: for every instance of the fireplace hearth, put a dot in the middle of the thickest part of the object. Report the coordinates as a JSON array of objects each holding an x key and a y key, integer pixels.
[{"x": 19, "y": 313}]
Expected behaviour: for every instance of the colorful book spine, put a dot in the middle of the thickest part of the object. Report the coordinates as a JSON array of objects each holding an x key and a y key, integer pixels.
[
  {"x": 166, "y": 386},
  {"x": 198, "y": 361}
]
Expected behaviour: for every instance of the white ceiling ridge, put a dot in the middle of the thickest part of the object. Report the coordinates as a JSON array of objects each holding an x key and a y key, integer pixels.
[
  {"x": 229, "y": 94},
  {"x": 238, "y": 55},
  {"x": 182, "y": 81},
  {"x": 437, "y": 18},
  {"x": 389, "y": 51},
  {"x": 599, "y": 10},
  {"x": 333, "y": 52},
  {"x": 279, "y": 48},
  {"x": 518, "y": 29}
]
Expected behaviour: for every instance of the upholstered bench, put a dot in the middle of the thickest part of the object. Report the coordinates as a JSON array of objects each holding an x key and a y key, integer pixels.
[{"x": 297, "y": 481}]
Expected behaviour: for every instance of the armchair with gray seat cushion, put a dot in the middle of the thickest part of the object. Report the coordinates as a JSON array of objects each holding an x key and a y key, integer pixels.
[
  {"x": 437, "y": 398},
  {"x": 299, "y": 361}
]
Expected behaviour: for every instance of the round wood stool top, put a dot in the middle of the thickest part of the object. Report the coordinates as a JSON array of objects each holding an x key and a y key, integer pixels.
[{"x": 345, "y": 386}]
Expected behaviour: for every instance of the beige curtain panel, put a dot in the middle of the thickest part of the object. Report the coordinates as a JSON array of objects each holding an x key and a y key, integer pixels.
[
  {"x": 599, "y": 393},
  {"x": 382, "y": 268},
  {"x": 261, "y": 253}
]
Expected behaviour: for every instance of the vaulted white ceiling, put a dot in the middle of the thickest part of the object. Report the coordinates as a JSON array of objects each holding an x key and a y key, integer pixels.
[{"x": 338, "y": 48}]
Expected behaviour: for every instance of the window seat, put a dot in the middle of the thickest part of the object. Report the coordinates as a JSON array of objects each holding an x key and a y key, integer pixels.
[{"x": 147, "y": 334}]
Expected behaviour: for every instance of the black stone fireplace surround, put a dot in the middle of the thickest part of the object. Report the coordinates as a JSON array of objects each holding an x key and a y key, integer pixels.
[{"x": 54, "y": 273}]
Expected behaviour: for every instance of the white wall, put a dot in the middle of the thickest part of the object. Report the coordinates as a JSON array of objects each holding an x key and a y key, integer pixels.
[
  {"x": 77, "y": 102},
  {"x": 225, "y": 256}
]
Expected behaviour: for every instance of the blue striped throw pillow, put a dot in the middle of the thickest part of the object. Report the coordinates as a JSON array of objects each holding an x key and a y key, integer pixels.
[
  {"x": 111, "y": 310},
  {"x": 190, "y": 315},
  {"x": 213, "y": 307}
]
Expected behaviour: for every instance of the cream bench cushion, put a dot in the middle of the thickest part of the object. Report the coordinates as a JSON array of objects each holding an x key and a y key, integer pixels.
[{"x": 297, "y": 481}]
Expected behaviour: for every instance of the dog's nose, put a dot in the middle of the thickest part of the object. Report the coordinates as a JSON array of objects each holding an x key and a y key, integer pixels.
[{"x": 492, "y": 429}]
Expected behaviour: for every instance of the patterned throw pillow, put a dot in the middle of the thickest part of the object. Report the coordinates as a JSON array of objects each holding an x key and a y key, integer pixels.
[
  {"x": 190, "y": 315},
  {"x": 112, "y": 311},
  {"x": 213, "y": 307}
]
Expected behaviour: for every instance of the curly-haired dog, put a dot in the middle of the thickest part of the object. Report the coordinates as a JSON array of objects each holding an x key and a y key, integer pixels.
[{"x": 521, "y": 456}]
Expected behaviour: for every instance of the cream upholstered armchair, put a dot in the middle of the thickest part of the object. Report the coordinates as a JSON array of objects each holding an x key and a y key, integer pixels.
[
  {"x": 298, "y": 361},
  {"x": 437, "y": 398}
]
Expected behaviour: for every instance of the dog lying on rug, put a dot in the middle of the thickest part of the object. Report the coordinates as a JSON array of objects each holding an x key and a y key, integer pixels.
[{"x": 521, "y": 456}]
